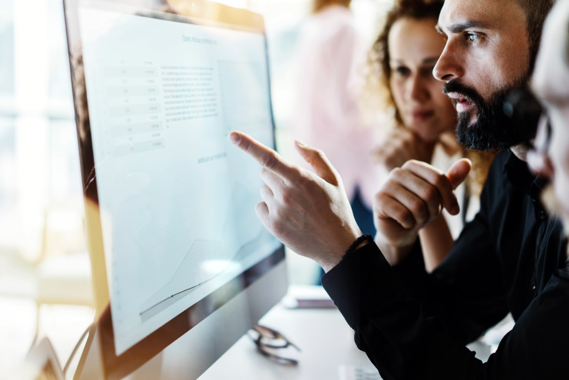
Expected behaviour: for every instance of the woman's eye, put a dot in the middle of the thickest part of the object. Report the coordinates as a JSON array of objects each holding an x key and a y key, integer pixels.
[{"x": 402, "y": 71}]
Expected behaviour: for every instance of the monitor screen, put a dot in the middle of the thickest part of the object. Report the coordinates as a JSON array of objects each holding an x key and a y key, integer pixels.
[{"x": 175, "y": 201}]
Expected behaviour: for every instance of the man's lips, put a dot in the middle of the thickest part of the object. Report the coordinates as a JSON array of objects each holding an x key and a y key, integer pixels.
[{"x": 462, "y": 103}]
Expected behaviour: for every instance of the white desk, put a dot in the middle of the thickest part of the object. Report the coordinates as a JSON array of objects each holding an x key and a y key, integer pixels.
[{"x": 323, "y": 335}]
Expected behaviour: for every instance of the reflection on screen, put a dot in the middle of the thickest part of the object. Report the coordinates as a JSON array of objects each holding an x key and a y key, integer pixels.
[{"x": 177, "y": 201}]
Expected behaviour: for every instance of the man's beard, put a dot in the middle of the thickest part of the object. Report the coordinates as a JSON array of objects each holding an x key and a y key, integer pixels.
[{"x": 493, "y": 130}]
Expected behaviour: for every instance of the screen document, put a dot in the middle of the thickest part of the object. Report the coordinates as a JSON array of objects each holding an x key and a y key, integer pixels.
[{"x": 176, "y": 199}]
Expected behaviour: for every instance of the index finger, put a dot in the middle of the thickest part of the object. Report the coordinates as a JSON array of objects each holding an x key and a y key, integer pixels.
[
  {"x": 265, "y": 156},
  {"x": 439, "y": 180}
]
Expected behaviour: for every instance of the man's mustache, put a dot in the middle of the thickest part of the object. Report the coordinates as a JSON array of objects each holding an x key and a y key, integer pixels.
[{"x": 463, "y": 90}]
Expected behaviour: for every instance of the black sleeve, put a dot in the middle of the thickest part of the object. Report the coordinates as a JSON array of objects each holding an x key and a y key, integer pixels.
[
  {"x": 404, "y": 342},
  {"x": 466, "y": 292}
]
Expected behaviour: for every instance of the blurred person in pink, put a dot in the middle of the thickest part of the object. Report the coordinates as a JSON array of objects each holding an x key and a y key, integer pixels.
[{"x": 327, "y": 115}]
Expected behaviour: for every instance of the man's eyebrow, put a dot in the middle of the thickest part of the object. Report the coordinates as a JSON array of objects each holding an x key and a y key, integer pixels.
[{"x": 461, "y": 27}]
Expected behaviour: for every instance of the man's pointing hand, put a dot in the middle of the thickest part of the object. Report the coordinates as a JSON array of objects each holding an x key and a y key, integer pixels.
[{"x": 310, "y": 213}]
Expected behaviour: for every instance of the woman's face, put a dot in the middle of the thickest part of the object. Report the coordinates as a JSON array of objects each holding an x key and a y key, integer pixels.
[{"x": 414, "y": 48}]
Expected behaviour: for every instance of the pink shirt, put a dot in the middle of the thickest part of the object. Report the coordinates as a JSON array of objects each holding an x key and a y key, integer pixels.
[{"x": 327, "y": 116}]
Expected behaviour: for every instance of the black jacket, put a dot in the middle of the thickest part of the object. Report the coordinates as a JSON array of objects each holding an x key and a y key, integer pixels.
[{"x": 510, "y": 258}]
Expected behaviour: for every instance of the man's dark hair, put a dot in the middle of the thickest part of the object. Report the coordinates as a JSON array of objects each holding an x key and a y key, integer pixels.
[{"x": 536, "y": 11}]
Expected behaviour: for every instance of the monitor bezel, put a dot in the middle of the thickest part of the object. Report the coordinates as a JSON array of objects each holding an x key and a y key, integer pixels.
[{"x": 194, "y": 12}]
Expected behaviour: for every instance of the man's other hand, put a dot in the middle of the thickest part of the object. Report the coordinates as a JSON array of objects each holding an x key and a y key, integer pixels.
[
  {"x": 412, "y": 197},
  {"x": 310, "y": 213}
]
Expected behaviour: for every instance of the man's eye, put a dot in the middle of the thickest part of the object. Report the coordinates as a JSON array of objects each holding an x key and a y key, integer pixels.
[{"x": 472, "y": 37}]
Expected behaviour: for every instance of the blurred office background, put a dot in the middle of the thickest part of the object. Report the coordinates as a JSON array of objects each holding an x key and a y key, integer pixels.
[{"x": 44, "y": 269}]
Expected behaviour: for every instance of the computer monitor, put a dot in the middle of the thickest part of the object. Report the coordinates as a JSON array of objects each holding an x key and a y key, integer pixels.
[{"x": 178, "y": 253}]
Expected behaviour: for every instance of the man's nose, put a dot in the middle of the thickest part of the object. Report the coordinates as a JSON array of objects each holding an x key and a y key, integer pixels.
[{"x": 448, "y": 67}]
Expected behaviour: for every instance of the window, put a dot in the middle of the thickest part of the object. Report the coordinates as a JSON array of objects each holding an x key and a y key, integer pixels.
[
  {"x": 8, "y": 176},
  {"x": 39, "y": 161},
  {"x": 59, "y": 90},
  {"x": 6, "y": 49}
]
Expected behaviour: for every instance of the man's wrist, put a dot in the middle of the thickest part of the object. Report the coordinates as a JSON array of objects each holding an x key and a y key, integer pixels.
[{"x": 358, "y": 243}]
